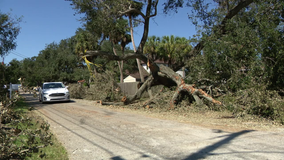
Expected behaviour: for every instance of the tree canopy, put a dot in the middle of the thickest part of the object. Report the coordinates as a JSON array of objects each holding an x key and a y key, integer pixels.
[{"x": 9, "y": 30}]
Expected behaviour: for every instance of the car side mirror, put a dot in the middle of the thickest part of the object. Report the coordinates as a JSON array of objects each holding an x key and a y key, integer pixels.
[{"x": 66, "y": 87}]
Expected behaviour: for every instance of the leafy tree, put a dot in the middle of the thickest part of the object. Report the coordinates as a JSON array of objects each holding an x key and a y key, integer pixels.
[
  {"x": 28, "y": 68},
  {"x": 170, "y": 49},
  {"x": 160, "y": 74},
  {"x": 228, "y": 42},
  {"x": 57, "y": 62},
  {"x": 102, "y": 19},
  {"x": 173, "y": 49},
  {"x": 9, "y": 30},
  {"x": 14, "y": 71},
  {"x": 239, "y": 56},
  {"x": 241, "y": 53},
  {"x": 85, "y": 40},
  {"x": 152, "y": 48}
]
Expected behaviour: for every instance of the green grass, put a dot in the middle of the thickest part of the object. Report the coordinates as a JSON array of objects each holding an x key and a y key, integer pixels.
[
  {"x": 35, "y": 132},
  {"x": 52, "y": 152},
  {"x": 21, "y": 106}
]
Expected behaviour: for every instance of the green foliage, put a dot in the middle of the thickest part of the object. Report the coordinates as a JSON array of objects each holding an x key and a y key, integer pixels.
[
  {"x": 20, "y": 136},
  {"x": 77, "y": 91},
  {"x": 128, "y": 66},
  {"x": 85, "y": 40},
  {"x": 103, "y": 21},
  {"x": 170, "y": 49},
  {"x": 102, "y": 18},
  {"x": 244, "y": 54},
  {"x": 256, "y": 101},
  {"x": 57, "y": 62},
  {"x": 9, "y": 30},
  {"x": 273, "y": 57},
  {"x": 250, "y": 49},
  {"x": 14, "y": 71},
  {"x": 103, "y": 88},
  {"x": 3, "y": 91}
]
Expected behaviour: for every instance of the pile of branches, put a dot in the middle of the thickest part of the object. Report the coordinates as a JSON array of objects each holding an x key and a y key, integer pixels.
[
  {"x": 163, "y": 94},
  {"x": 103, "y": 86},
  {"x": 17, "y": 140},
  {"x": 257, "y": 100}
]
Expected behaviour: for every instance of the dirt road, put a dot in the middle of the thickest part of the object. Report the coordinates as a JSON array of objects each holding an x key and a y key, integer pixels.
[{"x": 94, "y": 132}]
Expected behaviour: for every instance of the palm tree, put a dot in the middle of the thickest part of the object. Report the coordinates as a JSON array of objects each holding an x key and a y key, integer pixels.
[
  {"x": 85, "y": 40},
  {"x": 174, "y": 48},
  {"x": 152, "y": 47}
]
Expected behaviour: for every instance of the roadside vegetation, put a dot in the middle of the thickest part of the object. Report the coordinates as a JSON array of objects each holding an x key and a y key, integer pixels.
[{"x": 25, "y": 135}]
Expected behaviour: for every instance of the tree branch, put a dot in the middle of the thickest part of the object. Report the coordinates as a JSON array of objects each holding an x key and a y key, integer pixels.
[
  {"x": 196, "y": 50},
  {"x": 155, "y": 6},
  {"x": 132, "y": 10},
  {"x": 111, "y": 56}
]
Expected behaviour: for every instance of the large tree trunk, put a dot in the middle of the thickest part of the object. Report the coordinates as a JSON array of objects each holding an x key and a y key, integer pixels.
[
  {"x": 163, "y": 75},
  {"x": 134, "y": 48},
  {"x": 120, "y": 66}
]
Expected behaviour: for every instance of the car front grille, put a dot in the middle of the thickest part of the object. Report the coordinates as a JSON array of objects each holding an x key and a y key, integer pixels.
[
  {"x": 57, "y": 94},
  {"x": 57, "y": 99}
]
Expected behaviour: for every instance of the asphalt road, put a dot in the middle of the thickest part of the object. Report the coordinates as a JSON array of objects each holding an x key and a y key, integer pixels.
[{"x": 94, "y": 132}]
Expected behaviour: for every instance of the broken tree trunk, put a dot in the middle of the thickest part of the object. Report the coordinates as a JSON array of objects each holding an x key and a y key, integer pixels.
[
  {"x": 162, "y": 75},
  {"x": 182, "y": 86}
]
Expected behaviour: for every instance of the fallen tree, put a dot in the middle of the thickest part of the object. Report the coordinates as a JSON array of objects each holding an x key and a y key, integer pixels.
[{"x": 162, "y": 75}]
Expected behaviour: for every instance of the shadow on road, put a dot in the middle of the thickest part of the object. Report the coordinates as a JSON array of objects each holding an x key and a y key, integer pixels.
[
  {"x": 207, "y": 151},
  {"x": 142, "y": 155}
]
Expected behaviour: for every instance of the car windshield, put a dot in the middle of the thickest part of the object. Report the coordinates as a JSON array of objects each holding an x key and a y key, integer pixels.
[{"x": 53, "y": 85}]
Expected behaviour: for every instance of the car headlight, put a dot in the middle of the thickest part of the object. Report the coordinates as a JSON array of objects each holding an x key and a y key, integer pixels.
[
  {"x": 44, "y": 93},
  {"x": 67, "y": 92}
]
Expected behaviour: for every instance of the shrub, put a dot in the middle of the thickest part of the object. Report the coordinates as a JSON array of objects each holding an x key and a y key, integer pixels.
[
  {"x": 20, "y": 136},
  {"x": 102, "y": 88},
  {"x": 257, "y": 101}
]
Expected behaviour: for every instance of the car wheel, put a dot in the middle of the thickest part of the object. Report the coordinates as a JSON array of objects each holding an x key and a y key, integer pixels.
[{"x": 42, "y": 101}]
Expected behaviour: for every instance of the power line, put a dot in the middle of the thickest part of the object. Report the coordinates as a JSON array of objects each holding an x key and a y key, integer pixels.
[{"x": 19, "y": 54}]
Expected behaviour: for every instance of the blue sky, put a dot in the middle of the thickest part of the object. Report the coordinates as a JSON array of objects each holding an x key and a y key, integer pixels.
[{"x": 47, "y": 21}]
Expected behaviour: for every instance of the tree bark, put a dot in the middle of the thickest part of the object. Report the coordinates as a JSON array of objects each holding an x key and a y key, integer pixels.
[
  {"x": 120, "y": 66},
  {"x": 134, "y": 48}
]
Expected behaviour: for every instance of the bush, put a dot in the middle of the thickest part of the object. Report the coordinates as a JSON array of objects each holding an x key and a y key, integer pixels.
[
  {"x": 77, "y": 91},
  {"x": 256, "y": 101},
  {"x": 102, "y": 88},
  {"x": 20, "y": 136}
]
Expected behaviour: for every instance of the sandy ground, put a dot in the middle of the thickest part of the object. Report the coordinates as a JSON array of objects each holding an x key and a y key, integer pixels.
[{"x": 89, "y": 131}]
